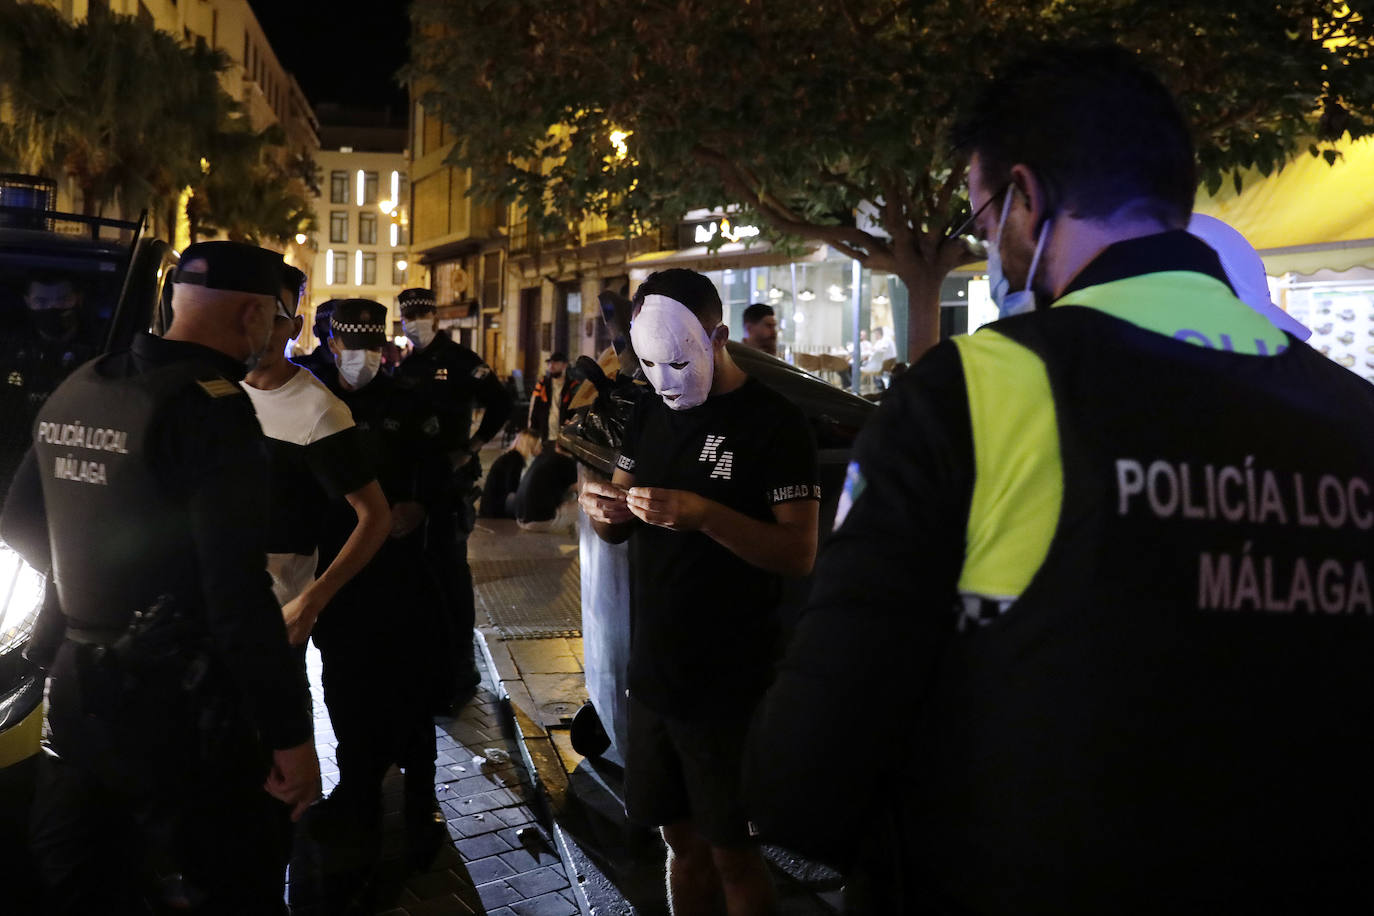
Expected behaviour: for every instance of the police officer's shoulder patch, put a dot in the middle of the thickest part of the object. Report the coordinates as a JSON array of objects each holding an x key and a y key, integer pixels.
[
  {"x": 431, "y": 426},
  {"x": 218, "y": 387},
  {"x": 481, "y": 372}
]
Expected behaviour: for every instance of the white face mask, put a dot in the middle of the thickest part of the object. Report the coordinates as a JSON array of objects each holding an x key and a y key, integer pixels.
[
  {"x": 420, "y": 331},
  {"x": 358, "y": 367},
  {"x": 674, "y": 350},
  {"x": 1009, "y": 303}
]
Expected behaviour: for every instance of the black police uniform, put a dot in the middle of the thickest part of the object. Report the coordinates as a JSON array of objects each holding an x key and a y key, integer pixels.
[
  {"x": 376, "y": 634},
  {"x": 319, "y": 361},
  {"x": 453, "y": 379},
  {"x": 149, "y": 481},
  {"x": 31, "y": 368}
]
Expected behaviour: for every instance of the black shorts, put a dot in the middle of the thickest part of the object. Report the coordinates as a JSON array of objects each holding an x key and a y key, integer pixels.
[{"x": 678, "y": 770}]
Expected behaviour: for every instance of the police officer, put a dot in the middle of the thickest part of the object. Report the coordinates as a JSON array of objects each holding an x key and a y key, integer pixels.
[
  {"x": 455, "y": 380},
  {"x": 319, "y": 359},
  {"x": 174, "y": 700},
  {"x": 1079, "y": 552},
  {"x": 375, "y": 636},
  {"x": 42, "y": 352}
]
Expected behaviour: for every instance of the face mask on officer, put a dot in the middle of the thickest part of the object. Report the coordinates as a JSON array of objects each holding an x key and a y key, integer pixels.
[
  {"x": 420, "y": 330},
  {"x": 1012, "y": 303},
  {"x": 674, "y": 350},
  {"x": 358, "y": 367},
  {"x": 52, "y": 308},
  {"x": 256, "y": 350}
]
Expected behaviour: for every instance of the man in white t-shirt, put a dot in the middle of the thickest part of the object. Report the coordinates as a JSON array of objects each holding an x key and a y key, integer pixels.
[{"x": 315, "y": 455}]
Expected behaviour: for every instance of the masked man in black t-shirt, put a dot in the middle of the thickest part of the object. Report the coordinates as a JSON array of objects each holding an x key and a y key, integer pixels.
[{"x": 717, "y": 481}]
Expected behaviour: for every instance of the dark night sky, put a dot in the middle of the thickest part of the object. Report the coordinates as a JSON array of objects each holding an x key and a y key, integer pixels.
[{"x": 346, "y": 51}]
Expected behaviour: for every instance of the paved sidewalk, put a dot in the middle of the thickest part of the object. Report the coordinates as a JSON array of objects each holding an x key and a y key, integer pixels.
[
  {"x": 502, "y": 861},
  {"x": 616, "y": 869}
]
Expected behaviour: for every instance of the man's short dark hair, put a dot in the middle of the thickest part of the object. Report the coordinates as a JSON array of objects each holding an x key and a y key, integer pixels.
[
  {"x": 558, "y": 356},
  {"x": 757, "y": 312},
  {"x": 323, "y": 312},
  {"x": 694, "y": 290},
  {"x": 1096, "y": 127}
]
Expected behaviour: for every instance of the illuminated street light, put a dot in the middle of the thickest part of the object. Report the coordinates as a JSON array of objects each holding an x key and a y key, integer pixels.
[
  {"x": 329, "y": 267},
  {"x": 402, "y": 264},
  {"x": 301, "y": 238}
]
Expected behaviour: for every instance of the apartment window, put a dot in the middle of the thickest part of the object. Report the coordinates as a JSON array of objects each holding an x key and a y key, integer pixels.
[
  {"x": 369, "y": 188},
  {"x": 338, "y": 187},
  {"x": 338, "y": 225},
  {"x": 369, "y": 268},
  {"x": 367, "y": 228},
  {"x": 340, "y": 268},
  {"x": 491, "y": 281},
  {"x": 398, "y": 270}
]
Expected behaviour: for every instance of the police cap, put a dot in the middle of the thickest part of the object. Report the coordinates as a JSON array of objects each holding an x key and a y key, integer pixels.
[
  {"x": 293, "y": 279},
  {"x": 233, "y": 266},
  {"x": 415, "y": 301},
  {"x": 360, "y": 324}
]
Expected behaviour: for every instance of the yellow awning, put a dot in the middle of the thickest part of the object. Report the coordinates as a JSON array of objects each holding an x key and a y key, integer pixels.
[{"x": 1308, "y": 216}]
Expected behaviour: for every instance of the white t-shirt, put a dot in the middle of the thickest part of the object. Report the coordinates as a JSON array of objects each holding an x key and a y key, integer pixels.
[
  {"x": 555, "y": 408},
  {"x": 313, "y": 449},
  {"x": 883, "y": 350}
]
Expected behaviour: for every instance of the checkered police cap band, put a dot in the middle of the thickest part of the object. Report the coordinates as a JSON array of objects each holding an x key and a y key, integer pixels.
[{"x": 346, "y": 327}]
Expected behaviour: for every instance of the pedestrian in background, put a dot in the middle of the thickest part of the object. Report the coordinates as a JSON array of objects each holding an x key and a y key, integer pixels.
[
  {"x": 174, "y": 699},
  {"x": 549, "y": 404},
  {"x": 761, "y": 328},
  {"x": 716, "y": 487},
  {"x": 1081, "y": 557},
  {"x": 456, "y": 382}
]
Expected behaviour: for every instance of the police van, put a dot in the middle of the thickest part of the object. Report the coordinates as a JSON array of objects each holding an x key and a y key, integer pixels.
[{"x": 71, "y": 287}]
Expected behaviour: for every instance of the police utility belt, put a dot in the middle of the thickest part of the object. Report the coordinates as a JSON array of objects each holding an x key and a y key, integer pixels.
[{"x": 163, "y": 641}]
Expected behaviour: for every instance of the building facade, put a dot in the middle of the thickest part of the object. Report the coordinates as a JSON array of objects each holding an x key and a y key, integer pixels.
[{"x": 362, "y": 235}]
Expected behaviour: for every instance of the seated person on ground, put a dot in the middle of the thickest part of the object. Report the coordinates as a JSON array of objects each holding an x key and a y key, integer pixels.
[
  {"x": 503, "y": 478},
  {"x": 545, "y": 501}
]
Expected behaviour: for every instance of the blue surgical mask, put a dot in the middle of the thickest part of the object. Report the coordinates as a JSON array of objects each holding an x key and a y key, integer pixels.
[{"x": 1012, "y": 303}]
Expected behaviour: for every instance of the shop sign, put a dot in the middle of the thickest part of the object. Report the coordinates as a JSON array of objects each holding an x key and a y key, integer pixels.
[{"x": 714, "y": 231}]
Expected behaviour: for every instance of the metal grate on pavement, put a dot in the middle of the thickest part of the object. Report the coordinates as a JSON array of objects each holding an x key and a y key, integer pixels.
[{"x": 530, "y": 599}]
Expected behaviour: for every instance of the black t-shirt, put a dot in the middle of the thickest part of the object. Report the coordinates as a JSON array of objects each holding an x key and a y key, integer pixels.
[
  {"x": 704, "y": 628},
  {"x": 544, "y": 485},
  {"x": 316, "y": 455},
  {"x": 503, "y": 479}
]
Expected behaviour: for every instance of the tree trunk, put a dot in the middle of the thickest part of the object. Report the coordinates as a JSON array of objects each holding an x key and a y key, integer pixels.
[{"x": 923, "y": 306}]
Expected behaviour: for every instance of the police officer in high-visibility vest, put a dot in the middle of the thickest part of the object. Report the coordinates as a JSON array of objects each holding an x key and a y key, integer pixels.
[
  {"x": 181, "y": 722},
  {"x": 456, "y": 381},
  {"x": 1101, "y": 567}
]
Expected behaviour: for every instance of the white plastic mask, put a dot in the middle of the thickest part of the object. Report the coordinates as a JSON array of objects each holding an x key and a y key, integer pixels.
[
  {"x": 358, "y": 367},
  {"x": 674, "y": 350},
  {"x": 420, "y": 331}
]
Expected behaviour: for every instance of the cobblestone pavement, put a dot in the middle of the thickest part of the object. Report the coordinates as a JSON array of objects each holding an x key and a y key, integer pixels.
[{"x": 502, "y": 861}]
